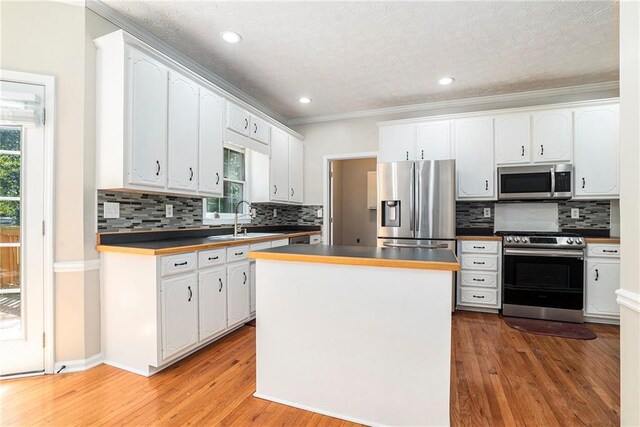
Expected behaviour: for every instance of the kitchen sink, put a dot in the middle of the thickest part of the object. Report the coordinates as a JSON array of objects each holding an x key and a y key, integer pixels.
[{"x": 243, "y": 236}]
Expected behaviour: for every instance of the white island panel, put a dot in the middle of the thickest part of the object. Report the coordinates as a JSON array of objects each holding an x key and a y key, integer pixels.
[{"x": 366, "y": 344}]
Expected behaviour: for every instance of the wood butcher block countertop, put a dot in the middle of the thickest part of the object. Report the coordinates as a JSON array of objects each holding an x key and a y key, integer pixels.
[
  {"x": 426, "y": 259},
  {"x": 174, "y": 246}
]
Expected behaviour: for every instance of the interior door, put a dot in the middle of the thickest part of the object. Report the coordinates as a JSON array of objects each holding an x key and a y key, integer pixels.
[{"x": 21, "y": 239}]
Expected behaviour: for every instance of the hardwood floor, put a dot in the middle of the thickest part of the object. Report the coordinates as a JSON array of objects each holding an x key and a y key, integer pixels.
[{"x": 499, "y": 377}]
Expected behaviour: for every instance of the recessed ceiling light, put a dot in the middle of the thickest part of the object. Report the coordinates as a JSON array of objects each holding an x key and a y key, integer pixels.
[
  {"x": 305, "y": 100},
  {"x": 231, "y": 37},
  {"x": 446, "y": 80}
]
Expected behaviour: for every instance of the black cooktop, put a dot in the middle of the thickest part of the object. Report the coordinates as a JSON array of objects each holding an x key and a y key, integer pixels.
[{"x": 536, "y": 233}]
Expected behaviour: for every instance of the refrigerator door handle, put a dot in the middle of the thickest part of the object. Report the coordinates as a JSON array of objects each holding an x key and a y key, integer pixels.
[
  {"x": 417, "y": 179},
  {"x": 412, "y": 201}
]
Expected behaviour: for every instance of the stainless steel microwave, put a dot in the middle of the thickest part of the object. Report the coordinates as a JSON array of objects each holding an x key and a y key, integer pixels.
[{"x": 539, "y": 182}]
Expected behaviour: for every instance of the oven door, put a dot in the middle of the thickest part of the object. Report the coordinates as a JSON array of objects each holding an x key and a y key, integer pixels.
[
  {"x": 544, "y": 278},
  {"x": 528, "y": 182}
]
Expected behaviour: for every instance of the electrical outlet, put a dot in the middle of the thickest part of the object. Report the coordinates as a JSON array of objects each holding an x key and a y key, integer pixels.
[
  {"x": 487, "y": 212},
  {"x": 168, "y": 211},
  {"x": 319, "y": 213},
  {"x": 111, "y": 210},
  {"x": 253, "y": 213},
  {"x": 275, "y": 213},
  {"x": 575, "y": 213}
]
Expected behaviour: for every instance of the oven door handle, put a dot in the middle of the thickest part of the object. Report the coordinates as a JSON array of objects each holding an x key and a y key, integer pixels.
[
  {"x": 545, "y": 252},
  {"x": 553, "y": 181}
]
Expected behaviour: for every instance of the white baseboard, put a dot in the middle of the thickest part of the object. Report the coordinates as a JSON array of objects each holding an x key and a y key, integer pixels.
[
  {"x": 601, "y": 320},
  {"x": 629, "y": 299},
  {"x": 316, "y": 410},
  {"x": 78, "y": 365}
]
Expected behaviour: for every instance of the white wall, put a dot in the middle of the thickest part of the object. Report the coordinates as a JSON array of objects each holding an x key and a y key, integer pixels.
[
  {"x": 361, "y": 135},
  {"x": 630, "y": 209}
]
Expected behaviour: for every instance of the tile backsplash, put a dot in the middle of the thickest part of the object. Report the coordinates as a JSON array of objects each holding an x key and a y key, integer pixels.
[
  {"x": 593, "y": 214},
  {"x": 147, "y": 212}
]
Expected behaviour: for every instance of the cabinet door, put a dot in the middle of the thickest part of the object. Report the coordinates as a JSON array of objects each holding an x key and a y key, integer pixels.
[
  {"x": 296, "y": 168},
  {"x": 184, "y": 105},
  {"x": 397, "y": 143},
  {"x": 596, "y": 152},
  {"x": 513, "y": 139},
  {"x": 212, "y": 296},
  {"x": 279, "y": 166},
  {"x": 179, "y": 314},
  {"x": 237, "y": 119},
  {"x": 552, "y": 136},
  {"x": 238, "y": 304},
  {"x": 603, "y": 279},
  {"x": 434, "y": 141},
  {"x": 259, "y": 130},
  {"x": 474, "y": 152},
  {"x": 252, "y": 289},
  {"x": 211, "y": 143},
  {"x": 147, "y": 120}
]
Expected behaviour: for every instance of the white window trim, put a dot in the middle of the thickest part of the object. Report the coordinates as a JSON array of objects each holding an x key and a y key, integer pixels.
[{"x": 229, "y": 218}]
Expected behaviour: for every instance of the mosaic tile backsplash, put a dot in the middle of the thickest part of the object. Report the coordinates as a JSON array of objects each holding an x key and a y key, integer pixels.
[
  {"x": 593, "y": 214},
  {"x": 147, "y": 212}
]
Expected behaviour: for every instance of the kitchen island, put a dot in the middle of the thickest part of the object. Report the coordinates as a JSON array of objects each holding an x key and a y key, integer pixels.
[{"x": 358, "y": 333}]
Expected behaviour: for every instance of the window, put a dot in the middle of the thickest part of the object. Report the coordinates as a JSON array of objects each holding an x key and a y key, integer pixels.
[{"x": 221, "y": 210}]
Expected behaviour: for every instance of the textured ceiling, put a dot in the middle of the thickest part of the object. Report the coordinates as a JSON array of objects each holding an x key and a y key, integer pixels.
[{"x": 350, "y": 56}]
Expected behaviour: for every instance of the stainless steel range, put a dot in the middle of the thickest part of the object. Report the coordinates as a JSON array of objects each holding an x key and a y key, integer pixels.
[{"x": 543, "y": 275}]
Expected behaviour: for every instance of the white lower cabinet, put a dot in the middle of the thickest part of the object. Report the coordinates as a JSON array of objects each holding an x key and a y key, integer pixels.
[
  {"x": 602, "y": 281},
  {"x": 252, "y": 289},
  {"x": 179, "y": 314},
  {"x": 479, "y": 281},
  {"x": 212, "y": 295},
  {"x": 238, "y": 304}
]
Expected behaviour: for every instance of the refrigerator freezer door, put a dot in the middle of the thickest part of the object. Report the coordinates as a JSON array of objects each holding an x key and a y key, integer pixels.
[
  {"x": 395, "y": 200},
  {"x": 435, "y": 216}
]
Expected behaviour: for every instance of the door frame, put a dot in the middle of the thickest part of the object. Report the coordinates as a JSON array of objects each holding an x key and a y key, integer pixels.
[
  {"x": 48, "y": 82},
  {"x": 326, "y": 186}
]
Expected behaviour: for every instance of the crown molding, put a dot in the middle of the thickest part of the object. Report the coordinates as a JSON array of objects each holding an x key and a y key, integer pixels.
[
  {"x": 464, "y": 102},
  {"x": 145, "y": 36}
]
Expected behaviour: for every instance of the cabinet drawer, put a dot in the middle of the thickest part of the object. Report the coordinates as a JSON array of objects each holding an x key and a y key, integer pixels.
[
  {"x": 479, "y": 247},
  {"x": 479, "y": 262},
  {"x": 476, "y": 279},
  {"x": 281, "y": 242},
  {"x": 479, "y": 296},
  {"x": 316, "y": 239},
  {"x": 237, "y": 253},
  {"x": 211, "y": 258},
  {"x": 174, "y": 264},
  {"x": 260, "y": 246},
  {"x": 603, "y": 251}
]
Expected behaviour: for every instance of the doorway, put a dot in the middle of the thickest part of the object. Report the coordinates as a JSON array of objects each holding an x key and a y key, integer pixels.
[
  {"x": 22, "y": 215},
  {"x": 352, "y": 202}
]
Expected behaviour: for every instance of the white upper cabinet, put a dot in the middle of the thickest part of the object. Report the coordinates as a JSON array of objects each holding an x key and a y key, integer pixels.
[
  {"x": 147, "y": 104},
  {"x": 475, "y": 162},
  {"x": 596, "y": 152},
  {"x": 238, "y": 119},
  {"x": 184, "y": 102},
  {"x": 279, "y": 166},
  {"x": 259, "y": 130},
  {"x": 513, "y": 139},
  {"x": 552, "y": 136},
  {"x": 211, "y": 143},
  {"x": 397, "y": 143},
  {"x": 434, "y": 140},
  {"x": 296, "y": 175}
]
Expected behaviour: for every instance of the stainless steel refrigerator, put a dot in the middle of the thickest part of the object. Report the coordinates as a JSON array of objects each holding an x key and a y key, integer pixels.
[{"x": 416, "y": 204}]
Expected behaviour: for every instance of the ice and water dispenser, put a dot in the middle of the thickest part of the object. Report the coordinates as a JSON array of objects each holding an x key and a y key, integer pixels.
[{"x": 390, "y": 213}]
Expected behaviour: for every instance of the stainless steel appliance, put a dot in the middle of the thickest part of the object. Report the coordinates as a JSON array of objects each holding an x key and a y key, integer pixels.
[
  {"x": 543, "y": 275},
  {"x": 535, "y": 182},
  {"x": 417, "y": 204}
]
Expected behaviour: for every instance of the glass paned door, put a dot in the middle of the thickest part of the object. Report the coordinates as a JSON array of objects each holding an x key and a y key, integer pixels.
[
  {"x": 10, "y": 262},
  {"x": 22, "y": 210}
]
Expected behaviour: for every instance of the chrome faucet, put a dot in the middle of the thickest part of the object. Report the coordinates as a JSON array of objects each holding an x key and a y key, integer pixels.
[{"x": 237, "y": 228}]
